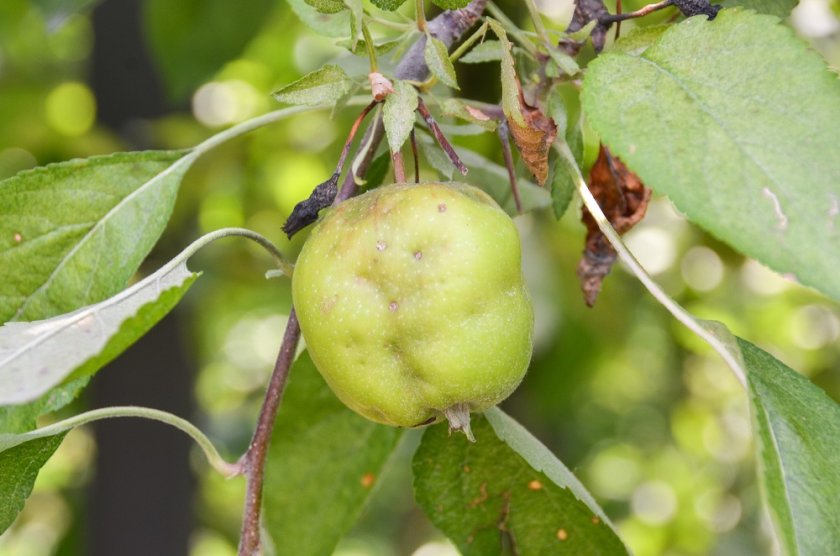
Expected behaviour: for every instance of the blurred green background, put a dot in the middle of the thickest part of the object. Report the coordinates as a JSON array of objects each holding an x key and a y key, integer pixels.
[{"x": 651, "y": 421}]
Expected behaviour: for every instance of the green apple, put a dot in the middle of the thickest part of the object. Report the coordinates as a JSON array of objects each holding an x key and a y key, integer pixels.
[{"x": 412, "y": 303}]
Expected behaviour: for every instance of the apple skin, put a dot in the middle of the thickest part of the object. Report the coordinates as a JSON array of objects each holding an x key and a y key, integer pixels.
[{"x": 412, "y": 303}]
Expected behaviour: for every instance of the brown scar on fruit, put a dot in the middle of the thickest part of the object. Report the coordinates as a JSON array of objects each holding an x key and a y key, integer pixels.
[
  {"x": 329, "y": 304},
  {"x": 481, "y": 498},
  {"x": 596, "y": 520},
  {"x": 18, "y": 237},
  {"x": 562, "y": 534},
  {"x": 535, "y": 485},
  {"x": 367, "y": 480},
  {"x": 442, "y": 207},
  {"x": 466, "y": 469}
]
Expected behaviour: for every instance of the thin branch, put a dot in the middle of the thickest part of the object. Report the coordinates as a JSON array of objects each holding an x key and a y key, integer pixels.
[
  {"x": 399, "y": 166},
  {"x": 641, "y": 12},
  {"x": 413, "y": 138},
  {"x": 440, "y": 137},
  {"x": 254, "y": 459},
  {"x": 504, "y": 132}
]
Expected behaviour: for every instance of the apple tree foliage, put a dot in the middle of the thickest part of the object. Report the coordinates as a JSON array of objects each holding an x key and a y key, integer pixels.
[{"x": 723, "y": 110}]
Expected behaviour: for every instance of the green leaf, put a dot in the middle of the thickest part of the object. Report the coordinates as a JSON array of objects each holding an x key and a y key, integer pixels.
[
  {"x": 741, "y": 134},
  {"x": 322, "y": 86},
  {"x": 510, "y": 83},
  {"x": 506, "y": 490},
  {"x": 564, "y": 62},
  {"x": 488, "y": 51},
  {"x": 493, "y": 179},
  {"x": 329, "y": 25},
  {"x": 74, "y": 233},
  {"x": 327, "y": 6},
  {"x": 450, "y": 4},
  {"x": 36, "y": 356},
  {"x": 192, "y": 39},
  {"x": 563, "y": 182},
  {"x": 639, "y": 39},
  {"x": 398, "y": 114},
  {"x": 779, "y": 8},
  {"x": 19, "y": 468},
  {"x": 458, "y": 108},
  {"x": 388, "y": 5},
  {"x": 361, "y": 46},
  {"x": 798, "y": 432},
  {"x": 322, "y": 464},
  {"x": 437, "y": 58}
]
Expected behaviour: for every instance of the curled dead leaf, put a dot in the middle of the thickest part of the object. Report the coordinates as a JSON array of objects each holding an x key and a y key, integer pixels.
[
  {"x": 534, "y": 138},
  {"x": 624, "y": 199},
  {"x": 380, "y": 86}
]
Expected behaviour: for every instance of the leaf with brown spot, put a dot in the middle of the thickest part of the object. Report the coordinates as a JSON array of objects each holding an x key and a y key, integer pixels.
[
  {"x": 624, "y": 200},
  {"x": 497, "y": 505},
  {"x": 534, "y": 138}
]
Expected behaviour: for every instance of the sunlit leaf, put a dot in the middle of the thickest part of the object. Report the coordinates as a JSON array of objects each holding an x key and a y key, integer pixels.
[
  {"x": 736, "y": 121},
  {"x": 506, "y": 491},
  {"x": 323, "y": 463},
  {"x": 74, "y": 233},
  {"x": 437, "y": 58},
  {"x": 398, "y": 114},
  {"x": 324, "y": 85}
]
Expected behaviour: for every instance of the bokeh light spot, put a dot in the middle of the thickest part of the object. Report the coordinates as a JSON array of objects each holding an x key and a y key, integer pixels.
[
  {"x": 70, "y": 108},
  {"x": 702, "y": 269}
]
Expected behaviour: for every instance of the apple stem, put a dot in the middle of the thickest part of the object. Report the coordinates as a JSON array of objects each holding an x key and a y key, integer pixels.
[{"x": 459, "y": 419}]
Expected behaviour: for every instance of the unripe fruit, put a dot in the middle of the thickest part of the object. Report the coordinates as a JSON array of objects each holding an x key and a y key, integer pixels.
[{"x": 412, "y": 303}]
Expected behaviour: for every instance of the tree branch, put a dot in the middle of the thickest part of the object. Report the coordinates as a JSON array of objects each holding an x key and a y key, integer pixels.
[{"x": 253, "y": 461}]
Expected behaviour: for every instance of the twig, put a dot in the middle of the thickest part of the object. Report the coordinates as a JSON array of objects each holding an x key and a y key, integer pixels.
[
  {"x": 618, "y": 11},
  {"x": 641, "y": 12},
  {"x": 399, "y": 166},
  {"x": 504, "y": 132},
  {"x": 254, "y": 459},
  {"x": 440, "y": 137},
  {"x": 413, "y": 138},
  {"x": 447, "y": 28}
]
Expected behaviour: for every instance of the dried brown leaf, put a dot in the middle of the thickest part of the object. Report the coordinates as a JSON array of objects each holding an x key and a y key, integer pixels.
[
  {"x": 624, "y": 200},
  {"x": 534, "y": 138}
]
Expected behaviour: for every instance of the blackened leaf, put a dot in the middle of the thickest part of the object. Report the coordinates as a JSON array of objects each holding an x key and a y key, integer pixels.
[{"x": 306, "y": 211}]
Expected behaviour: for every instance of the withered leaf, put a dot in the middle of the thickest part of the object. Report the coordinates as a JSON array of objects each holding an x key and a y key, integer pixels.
[
  {"x": 306, "y": 211},
  {"x": 534, "y": 138},
  {"x": 624, "y": 200}
]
